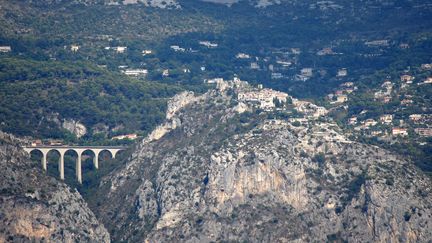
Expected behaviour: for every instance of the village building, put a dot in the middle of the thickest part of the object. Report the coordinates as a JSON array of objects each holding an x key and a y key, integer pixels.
[
  {"x": 397, "y": 131},
  {"x": 254, "y": 65},
  {"x": 309, "y": 109},
  {"x": 347, "y": 84},
  {"x": 352, "y": 120},
  {"x": 342, "y": 72},
  {"x": 208, "y": 44},
  {"x": 36, "y": 142},
  {"x": 426, "y": 66},
  {"x": 376, "y": 133},
  {"x": 146, "y": 52},
  {"x": 242, "y": 56},
  {"x": 284, "y": 64},
  {"x": 135, "y": 72},
  {"x": 428, "y": 80},
  {"x": 325, "y": 51},
  {"x": 296, "y": 51},
  {"x": 377, "y": 43},
  {"x": 178, "y": 48},
  {"x": 276, "y": 75},
  {"x": 406, "y": 101},
  {"x": 369, "y": 122},
  {"x": 349, "y": 90},
  {"x": 386, "y": 99},
  {"x": 339, "y": 92},
  {"x": 415, "y": 117},
  {"x": 165, "y": 73},
  {"x": 388, "y": 118},
  {"x": 387, "y": 84},
  {"x": 341, "y": 98},
  {"x": 404, "y": 46},
  {"x": 306, "y": 72},
  {"x": 74, "y": 48},
  {"x": 55, "y": 142},
  {"x": 214, "y": 80},
  {"x": 407, "y": 79},
  {"x": 5, "y": 49},
  {"x": 120, "y": 49},
  {"x": 424, "y": 132},
  {"x": 264, "y": 98}
]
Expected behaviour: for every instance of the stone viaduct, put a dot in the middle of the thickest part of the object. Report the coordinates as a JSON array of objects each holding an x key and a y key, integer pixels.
[{"x": 79, "y": 150}]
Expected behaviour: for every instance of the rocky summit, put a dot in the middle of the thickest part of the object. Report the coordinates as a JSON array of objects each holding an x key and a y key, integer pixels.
[
  {"x": 242, "y": 163},
  {"x": 35, "y": 207}
]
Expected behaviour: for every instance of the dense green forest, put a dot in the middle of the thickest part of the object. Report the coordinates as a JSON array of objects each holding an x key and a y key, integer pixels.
[
  {"x": 37, "y": 95},
  {"x": 43, "y": 82}
]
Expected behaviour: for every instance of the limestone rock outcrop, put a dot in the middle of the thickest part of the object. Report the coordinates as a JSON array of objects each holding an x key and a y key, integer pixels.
[
  {"x": 75, "y": 127},
  {"x": 257, "y": 176}
]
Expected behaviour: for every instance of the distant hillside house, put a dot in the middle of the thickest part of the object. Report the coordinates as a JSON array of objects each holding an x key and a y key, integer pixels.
[
  {"x": 307, "y": 72},
  {"x": 276, "y": 75},
  {"x": 377, "y": 43},
  {"x": 407, "y": 79},
  {"x": 214, "y": 80},
  {"x": 404, "y": 46},
  {"x": 177, "y": 48},
  {"x": 397, "y": 131},
  {"x": 424, "y": 132},
  {"x": 242, "y": 56},
  {"x": 135, "y": 72},
  {"x": 370, "y": 122},
  {"x": 341, "y": 98},
  {"x": 388, "y": 118},
  {"x": 352, "y": 120},
  {"x": 146, "y": 52},
  {"x": 5, "y": 49},
  {"x": 36, "y": 142},
  {"x": 428, "y": 80},
  {"x": 342, "y": 72},
  {"x": 208, "y": 44},
  {"x": 254, "y": 65},
  {"x": 296, "y": 51},
  {"x": 325, "y": 51},
  {"x": 284, "y": 63},
  {"x": 426, "y": 66},
  {"x": 407, "y": 102},
  {"x": 120, "y": 49},
  {"x": 347, "y": 84},
  {"x": 74, "y": 48},
  {"x": 165, "y": 73},
  {"x": 415, "y": 117}
]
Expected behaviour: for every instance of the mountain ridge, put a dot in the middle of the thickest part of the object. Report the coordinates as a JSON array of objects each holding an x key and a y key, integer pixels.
[{"x": 222, "y": 167}]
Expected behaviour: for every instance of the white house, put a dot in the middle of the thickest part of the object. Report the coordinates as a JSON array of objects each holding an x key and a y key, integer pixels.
[
  {"x": 208, "y": 44},
  {"x": 5, "y": 49},
  {"x": 135, "y": 72}
]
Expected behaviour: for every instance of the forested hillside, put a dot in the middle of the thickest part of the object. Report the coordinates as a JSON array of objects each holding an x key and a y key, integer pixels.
[
  {"x": 37, "y": 96},
  {"x": 71, "y": 56}
]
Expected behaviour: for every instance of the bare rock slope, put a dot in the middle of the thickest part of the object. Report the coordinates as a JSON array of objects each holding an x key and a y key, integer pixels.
[
  {"x": 227, "y": 174},
  {"x": 35, "y": 207}
]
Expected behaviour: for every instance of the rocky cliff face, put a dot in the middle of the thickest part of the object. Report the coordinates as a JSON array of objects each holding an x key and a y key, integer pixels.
[
  {"x": 35, "y": 207},
  {"x": 229, "y": 174}
]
